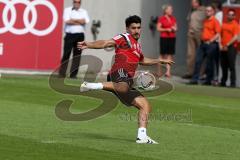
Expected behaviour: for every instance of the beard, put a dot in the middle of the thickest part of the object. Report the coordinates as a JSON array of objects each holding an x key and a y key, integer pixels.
[{"x": 136, "y": 36}]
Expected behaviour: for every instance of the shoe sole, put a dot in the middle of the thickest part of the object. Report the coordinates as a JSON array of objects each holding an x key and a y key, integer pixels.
[{"x": 83, "y": 88}]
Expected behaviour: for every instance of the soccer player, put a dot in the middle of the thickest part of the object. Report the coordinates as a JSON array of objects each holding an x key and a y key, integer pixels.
[{"x": 120, "y": 79}]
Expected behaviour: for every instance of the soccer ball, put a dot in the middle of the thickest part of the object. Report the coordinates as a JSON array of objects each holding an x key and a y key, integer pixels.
[{"x": 146, "y": 80}]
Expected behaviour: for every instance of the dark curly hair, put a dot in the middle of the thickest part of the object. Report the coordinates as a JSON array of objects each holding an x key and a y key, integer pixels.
[{"x": 133, "y": 19}]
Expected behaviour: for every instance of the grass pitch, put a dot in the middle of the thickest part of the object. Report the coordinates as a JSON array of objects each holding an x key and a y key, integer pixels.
[{"x": 29, "y": 128}]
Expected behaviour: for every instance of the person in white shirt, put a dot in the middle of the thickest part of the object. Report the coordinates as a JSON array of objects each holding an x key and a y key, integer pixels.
[
  {"x": 75, "y": 19},
  {"x": 218, "y": 12}
]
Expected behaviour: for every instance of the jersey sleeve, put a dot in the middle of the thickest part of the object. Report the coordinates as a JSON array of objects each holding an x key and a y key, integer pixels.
[
  {"x": 118, "y": 39},
  {"x": 66, "y": 15},
  {"x": 86, "y": 17},
  {"x": 121, "y": 42},
  {"x": 160, "y": 20}
]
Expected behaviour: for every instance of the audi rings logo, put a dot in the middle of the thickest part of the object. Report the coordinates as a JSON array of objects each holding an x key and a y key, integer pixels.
[{"x": 9, "y": 8}]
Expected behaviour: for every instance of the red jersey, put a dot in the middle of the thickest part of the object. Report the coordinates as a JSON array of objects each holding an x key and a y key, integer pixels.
[
  {"x": 167, "y": 23},
  {"x": 128, "y": 54}
]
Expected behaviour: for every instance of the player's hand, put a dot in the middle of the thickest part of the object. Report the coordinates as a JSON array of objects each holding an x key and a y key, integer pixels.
[
  {"x": 167, "y": 62},
  {"x": 82, "y": 45}
]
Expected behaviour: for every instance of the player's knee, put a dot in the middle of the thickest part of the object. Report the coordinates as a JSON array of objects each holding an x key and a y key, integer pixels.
[
  {"x": 147, "y": 108},
  {"x": 143, "y": 105}
]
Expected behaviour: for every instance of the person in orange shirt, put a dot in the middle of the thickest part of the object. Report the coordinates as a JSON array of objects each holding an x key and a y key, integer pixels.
[
  {"x": 208, "y": 48},
  {"x": 228, "y": 46},
  {"x": 239, "y": 39}
]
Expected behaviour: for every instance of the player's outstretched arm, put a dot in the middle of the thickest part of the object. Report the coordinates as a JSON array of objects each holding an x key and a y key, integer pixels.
[
  {"x": 100, "y": 44},
  {"x": 149, "y": 62}
]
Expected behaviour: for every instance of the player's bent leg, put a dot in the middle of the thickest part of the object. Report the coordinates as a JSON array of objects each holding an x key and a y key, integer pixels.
[
  {"x": 139, "y": 102},
  {"x": 144, "y": 109},
  {"x": 86, "y": 86}
]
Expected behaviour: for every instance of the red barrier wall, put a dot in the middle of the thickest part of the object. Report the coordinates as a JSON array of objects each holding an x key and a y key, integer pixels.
[{"x": 30, "y": 34}]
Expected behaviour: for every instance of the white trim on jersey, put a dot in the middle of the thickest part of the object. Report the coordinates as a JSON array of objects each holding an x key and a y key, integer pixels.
[
  {"x": 137, "y": 54},
  {"x": 117, "y": 37},
  {"x": 127, "y": 38}
]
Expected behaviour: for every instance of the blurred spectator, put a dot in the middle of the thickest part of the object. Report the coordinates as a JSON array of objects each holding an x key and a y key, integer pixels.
[
  {"x": 75, "y": 19},
  {"x": 208, "y": 47},
  {"x": 219, "y": 16},
  {"x": 238, "y": 47},
  {"x": 167, "y": 26},
  {"x": 228, "y": 47},
  {"x": 195, "y": 19},
  {"x": 218, "y": 11}
]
